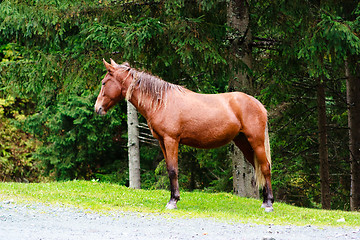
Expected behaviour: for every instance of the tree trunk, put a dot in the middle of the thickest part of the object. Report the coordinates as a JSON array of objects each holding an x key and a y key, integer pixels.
[
  {"x": 238, "y": 19},
  {"x": 323, "y": 150},
  {"x": 244, "y": 183},
  {"x": 353, "y": 103},
  {"x": 133, "y": 147}
]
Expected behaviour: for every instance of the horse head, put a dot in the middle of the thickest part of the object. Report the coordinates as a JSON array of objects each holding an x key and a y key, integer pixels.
[{"x": 113, "y": 87}]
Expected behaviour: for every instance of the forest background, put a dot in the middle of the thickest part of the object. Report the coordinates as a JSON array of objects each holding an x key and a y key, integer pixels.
[{"x": 305, "y": 57}]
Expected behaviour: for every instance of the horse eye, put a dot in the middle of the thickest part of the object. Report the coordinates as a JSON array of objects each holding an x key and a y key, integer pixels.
[{"x": 103, "y": 83}]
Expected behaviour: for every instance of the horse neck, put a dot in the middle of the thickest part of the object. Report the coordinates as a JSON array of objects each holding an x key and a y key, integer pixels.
[{"x": 143, "y": 109}]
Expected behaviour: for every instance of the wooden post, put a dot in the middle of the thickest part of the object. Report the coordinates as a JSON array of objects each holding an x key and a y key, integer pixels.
[{"x": 133, "y": 146}]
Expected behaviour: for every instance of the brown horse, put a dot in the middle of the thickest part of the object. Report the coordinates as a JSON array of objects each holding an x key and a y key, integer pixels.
[{"x": 177, "y": 115}]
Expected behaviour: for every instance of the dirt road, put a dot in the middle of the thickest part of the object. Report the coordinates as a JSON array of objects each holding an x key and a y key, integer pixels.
[{"x": 42, "y": 222}]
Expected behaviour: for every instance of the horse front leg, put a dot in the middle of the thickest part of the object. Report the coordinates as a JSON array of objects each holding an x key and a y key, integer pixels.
[
  {"x": 268, "y": 197},
  {"x": 170, "y": 149}
]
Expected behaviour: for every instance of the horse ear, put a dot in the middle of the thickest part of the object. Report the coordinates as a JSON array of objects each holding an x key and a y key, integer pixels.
[
  {"x": 110, "y": 68},
  {"x": 114, "y": 63}
]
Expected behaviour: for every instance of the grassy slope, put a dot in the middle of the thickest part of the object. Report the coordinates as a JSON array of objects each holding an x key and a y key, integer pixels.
[{"x": 222, "y": 206}]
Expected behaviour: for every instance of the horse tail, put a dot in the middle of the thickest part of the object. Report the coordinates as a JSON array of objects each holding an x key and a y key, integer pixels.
[
  {"x": 259, "y": 176},
  {"x": 267, "y": 145}
]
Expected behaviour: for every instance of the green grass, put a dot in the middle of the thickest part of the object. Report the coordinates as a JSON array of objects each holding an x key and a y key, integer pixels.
[{"x": 105, "y": 197}]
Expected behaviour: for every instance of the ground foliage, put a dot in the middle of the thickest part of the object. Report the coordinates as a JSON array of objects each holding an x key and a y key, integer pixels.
[
  {"x": 51, "y": 52},
  {"x": 17, "y": 161}
]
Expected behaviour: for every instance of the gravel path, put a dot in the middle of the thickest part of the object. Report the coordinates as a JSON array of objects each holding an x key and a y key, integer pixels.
[{"x": 42, "y": 222}]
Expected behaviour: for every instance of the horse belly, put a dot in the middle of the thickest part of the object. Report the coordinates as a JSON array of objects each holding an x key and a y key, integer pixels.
[
  {"x": 209, "y": 134},
  {"x": 199, "y": 143}
]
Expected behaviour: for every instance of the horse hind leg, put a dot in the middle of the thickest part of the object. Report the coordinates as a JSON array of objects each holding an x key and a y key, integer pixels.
[
  {"x": 259, "y": 156},
  {"x": 263, "y": 172}
]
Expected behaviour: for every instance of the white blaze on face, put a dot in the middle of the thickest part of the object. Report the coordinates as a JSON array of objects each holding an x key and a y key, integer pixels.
[{"x": 99, "y": 108}]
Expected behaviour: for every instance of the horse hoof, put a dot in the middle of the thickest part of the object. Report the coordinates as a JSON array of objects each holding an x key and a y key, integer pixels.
[
  {"x": 269, "y": 209},
  {"x": 171, "y": 205}
]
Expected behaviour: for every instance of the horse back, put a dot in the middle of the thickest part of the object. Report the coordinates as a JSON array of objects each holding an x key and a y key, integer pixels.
[{"x": 206, "y": 120}]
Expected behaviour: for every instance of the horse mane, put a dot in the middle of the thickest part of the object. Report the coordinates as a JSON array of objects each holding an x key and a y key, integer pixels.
[{"x": 149, "y": 86}]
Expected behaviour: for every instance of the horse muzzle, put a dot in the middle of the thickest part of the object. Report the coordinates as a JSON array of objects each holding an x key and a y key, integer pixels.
[{"x": 99, "y": 110}]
